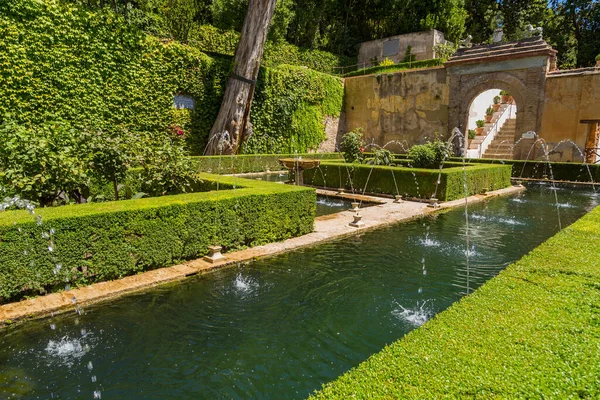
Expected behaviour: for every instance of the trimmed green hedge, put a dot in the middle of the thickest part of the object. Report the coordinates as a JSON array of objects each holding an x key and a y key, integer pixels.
[
  {"x": 90, "y": 67},
  {"x": 572, "y": 171},
  {"x": 531, "y": 332},
  {"x": 252, "y": 162},
  {"x": 434, "y": 62},
  {"x": 103, "y": 241},
  {"x": 417, "y": 182}
]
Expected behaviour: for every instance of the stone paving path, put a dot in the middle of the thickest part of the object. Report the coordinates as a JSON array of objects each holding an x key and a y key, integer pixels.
[{"x": 327, "y": 227}]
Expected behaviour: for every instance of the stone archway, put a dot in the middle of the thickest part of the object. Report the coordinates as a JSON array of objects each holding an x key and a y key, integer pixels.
[{"x": 518, "y": 68}]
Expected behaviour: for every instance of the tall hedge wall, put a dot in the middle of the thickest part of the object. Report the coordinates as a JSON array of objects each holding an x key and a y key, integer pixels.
[
  {"x": 418, "y": 182},
  {"x": 60, "y": 61},
  {"x": 102, "y": 241},
  {"x": 531, "y": 332}
]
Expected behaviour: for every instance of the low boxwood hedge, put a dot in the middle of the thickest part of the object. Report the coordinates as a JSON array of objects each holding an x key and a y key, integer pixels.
[
  {"x": 562, "y": 171},
  {"x": 239, "y": 164},
  {"x": 417, "y": 182},
  {"x": 389, "y": 69},
  {"x": 102, "y": 241},
  {"x": 531, "y": 332}
]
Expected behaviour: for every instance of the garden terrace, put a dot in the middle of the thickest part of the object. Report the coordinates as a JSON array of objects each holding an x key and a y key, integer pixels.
[
  {"x": 531, "y": 331},
  {"x": 414, "y": 182},
  {"x": 103, "y": 241}
]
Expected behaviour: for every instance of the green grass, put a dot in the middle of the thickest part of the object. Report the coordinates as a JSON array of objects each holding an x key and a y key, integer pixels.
[
  {"x": 531, "y": 332},
  {"x": 101, "y": 241}
]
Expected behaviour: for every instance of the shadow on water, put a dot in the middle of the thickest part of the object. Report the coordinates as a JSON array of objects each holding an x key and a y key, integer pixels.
[{"x": 280, "y": 327}]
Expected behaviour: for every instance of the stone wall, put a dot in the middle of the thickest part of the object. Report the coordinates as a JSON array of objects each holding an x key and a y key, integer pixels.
[
  {"x": 408, "y": 107},
  {"x": 394, "y": 47},
  {"x": 569, "y": 99}
]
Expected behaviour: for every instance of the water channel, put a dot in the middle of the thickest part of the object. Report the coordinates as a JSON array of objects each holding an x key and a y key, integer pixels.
[{"x": 279, "y": 327}]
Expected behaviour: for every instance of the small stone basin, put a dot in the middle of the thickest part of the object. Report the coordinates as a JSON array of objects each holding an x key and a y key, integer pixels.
[
  {"x": 294, "y": 163},
  {"x": 297, "y": 166}
]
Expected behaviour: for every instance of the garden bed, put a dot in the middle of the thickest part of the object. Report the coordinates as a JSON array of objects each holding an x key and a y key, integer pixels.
[
  {"x": 414, "y": 182},
  {"x": 240, "y": 164},
  {"x": 85, "y": 243},
  {"x": 530, "y": 332}
]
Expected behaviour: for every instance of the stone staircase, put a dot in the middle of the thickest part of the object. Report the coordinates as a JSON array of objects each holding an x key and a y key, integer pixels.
[{"x": 501, "y": 146}]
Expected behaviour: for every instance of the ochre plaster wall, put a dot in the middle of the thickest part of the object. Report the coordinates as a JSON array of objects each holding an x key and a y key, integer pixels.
[
  {"x": 406, "y": 107},
  {"x": 569, "y": 99}
]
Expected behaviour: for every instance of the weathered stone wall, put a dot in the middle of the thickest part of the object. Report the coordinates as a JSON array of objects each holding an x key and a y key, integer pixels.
[
  {"x": 569, "y": 99},
  {"x": 421, "y": 46},
  {"x": 408, "y": 107}
]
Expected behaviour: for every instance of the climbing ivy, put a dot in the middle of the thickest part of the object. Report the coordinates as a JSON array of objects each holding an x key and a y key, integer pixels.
[{"x": 89, "y": 67}]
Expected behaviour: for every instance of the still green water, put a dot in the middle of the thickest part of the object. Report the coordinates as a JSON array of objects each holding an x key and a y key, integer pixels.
[{"x": 278, "y": 328}]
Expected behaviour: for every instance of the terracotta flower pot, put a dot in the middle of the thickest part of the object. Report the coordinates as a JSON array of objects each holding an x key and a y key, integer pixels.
[
  {"x": 488, "y": 118},
  {"x": 496, "y": 107},
  {"x": 505, "y": 99},
  {"x": 479, "y": 131}
]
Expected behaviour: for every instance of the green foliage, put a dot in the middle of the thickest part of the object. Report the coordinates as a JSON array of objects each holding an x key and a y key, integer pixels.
[
  {"x": 96, "y": 71},
  {"x": 422, "y": 156},
  {"x": 352, "y": 146},
  {"x": 429, "y": 155},
  {"x": 103, "y": 241},
  {"x": 416, "y": 182},
  {"x": 381, "y": 157},
  {"x": 289, "y": 109},
  {"x": 504, "y": 93},
  {"x": 408, "y": 56},
  {"x": 480, "y": 123},
  {"x": 444, "y": 50},
  {"x": 529, "y": 332},
  {"x": 224, "y": 41},
  {"x": 597, "y": 57},
  {"x": 397, "y": 67},
  {"x": 472, "y": 134},
  {"x": 489, "y": 111},
  {"x": 497, "y": 99},
  {"x": 42, "y": 163},
  {"x": 386, "y": 63},
  {"x": 179, "y": 17}
]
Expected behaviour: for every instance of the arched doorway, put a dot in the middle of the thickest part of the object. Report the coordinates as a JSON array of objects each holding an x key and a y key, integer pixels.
[{"x": 491, "y": 125}]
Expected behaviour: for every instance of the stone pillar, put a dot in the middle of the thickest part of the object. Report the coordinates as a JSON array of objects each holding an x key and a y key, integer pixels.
[{"x": 591, "y": 143}]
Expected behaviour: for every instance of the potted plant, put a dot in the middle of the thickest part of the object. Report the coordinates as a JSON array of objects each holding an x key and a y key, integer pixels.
[
  {"x": 489, "y": 113},
  {"x": 505, "y": 97},
  {"x": 472, "y": 133},
  {"x": 598, "y": 60},
  {"x": 496, "y": 105},
  {"x": 480, "y": 124}
]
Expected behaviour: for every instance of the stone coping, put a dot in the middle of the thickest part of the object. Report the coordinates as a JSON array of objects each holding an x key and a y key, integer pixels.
[{"x": 327, "y": 227}]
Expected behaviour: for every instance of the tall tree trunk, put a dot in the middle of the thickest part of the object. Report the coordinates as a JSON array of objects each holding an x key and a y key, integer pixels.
[{"x": 232, "y": 127}]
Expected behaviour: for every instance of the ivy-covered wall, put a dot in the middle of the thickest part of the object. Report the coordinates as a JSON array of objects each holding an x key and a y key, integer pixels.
[{"x": 60, "y": 61}]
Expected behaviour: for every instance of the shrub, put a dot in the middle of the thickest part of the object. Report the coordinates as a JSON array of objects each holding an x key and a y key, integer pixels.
[
  {"x": 489, "y": 111},
  {"x": 397, "y": 67},
  {"x": 480, "y": 123},
  {"x": 497, "y": 99},
  {"x": 381, "y": 157},
  {"x": 598, "y": 57},
  {"x": 44, "y": 163},
  {"x": 352, "y": 146},
  {"x": 408, "y": 56},
  {"x": 504, "y": 93},
  {"x": 386, "y": 63},
  {"x": 444, "y": 50},
  {"x": 429, "y": 155},
  {"x": 472, "y": 134}
]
